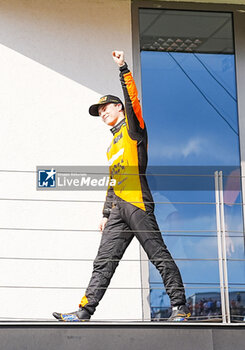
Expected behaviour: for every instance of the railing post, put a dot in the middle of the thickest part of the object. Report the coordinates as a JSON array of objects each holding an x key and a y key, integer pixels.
[
  {"x": 219, "y": 242},
  {"x": 223, "y": 236}
]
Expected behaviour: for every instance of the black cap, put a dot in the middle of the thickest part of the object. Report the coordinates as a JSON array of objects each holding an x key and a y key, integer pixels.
[{"x": 93, "y": 110}]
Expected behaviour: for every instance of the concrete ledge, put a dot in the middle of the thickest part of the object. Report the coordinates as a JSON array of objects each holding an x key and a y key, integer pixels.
[{"x": 121, "y": 336}]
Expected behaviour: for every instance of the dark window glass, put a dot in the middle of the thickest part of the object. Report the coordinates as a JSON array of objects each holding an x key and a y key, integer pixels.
[{"x": 186, "y": 31}]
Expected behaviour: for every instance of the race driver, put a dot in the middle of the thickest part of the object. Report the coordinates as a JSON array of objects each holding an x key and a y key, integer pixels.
[{"x": 129, "y": 209}]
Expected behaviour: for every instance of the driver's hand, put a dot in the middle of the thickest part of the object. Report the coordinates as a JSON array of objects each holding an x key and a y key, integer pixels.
[
  {"x": 102, "y": 224},
  {"x": 118, "y": 57}
]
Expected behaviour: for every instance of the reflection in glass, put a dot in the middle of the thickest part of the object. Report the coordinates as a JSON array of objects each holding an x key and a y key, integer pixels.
[
  {"x": 200, "y": 272},
  {"x": 237, "y": 304},
  {"x": 185, "y": 126},
  {"x": 204, "y": 303},
  {"x": 190, "y": 217},
  {"x": 236, "y": 271},
  {"x": 190, "y": 108},
  {"x": 198, "y": 276}
]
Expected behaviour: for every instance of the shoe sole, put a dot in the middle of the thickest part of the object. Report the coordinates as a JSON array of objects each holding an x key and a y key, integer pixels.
[{"x": 68, "y": 318}]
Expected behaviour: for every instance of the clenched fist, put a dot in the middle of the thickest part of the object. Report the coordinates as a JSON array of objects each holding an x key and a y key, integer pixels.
[{"x": 118, "y": 57}]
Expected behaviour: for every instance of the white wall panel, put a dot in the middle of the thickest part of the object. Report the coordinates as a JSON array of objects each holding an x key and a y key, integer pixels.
[{"x": 55, "y": 60}]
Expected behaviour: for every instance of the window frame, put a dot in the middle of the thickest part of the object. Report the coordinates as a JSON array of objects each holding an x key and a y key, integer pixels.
[{"x": 238, "y": 15}]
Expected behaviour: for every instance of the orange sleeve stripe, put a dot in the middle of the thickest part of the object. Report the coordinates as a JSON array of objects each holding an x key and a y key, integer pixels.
[{"x": 133, "y": 94}]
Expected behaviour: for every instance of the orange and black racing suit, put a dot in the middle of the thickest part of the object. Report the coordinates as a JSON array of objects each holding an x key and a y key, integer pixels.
[{"x": 129, "y": 206}]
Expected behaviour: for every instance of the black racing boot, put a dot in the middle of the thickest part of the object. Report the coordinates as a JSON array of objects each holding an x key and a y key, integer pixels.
[
  {"x": 179, "y": 314},
  {"x": 80, "y": 315}
]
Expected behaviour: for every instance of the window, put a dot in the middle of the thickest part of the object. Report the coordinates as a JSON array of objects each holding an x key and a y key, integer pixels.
[{"x": 190, "y": 108}]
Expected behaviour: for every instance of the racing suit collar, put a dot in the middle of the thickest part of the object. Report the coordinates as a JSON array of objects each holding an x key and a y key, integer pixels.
[{"x": 118, "y": 126}]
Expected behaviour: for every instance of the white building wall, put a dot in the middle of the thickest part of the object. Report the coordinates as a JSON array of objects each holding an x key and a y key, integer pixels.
[{"x": 55, "y": 60}]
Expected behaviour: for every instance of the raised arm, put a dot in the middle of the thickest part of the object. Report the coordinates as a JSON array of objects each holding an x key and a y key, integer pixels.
[{"x": 133, "y": 110}]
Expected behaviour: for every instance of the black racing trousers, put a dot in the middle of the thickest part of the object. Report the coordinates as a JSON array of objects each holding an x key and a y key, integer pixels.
[{"x": 125, "y": 222}]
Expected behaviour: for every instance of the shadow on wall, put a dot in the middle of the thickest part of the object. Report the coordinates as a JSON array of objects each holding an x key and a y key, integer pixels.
[{"x": 74, "y": 38}]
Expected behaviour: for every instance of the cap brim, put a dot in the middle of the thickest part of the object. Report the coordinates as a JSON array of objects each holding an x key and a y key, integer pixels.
[{"x": 93, "y": 110}]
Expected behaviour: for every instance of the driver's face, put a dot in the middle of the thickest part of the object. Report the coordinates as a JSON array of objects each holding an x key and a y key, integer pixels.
[{"x": 110, "y": 113}]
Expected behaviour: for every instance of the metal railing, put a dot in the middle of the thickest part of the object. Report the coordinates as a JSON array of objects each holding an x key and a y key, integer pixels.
[{"x": 220, "y": 233}]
